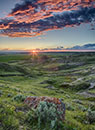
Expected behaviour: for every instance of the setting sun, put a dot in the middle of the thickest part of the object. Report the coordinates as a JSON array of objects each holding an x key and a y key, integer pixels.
[{"x": 33, "y": 51}]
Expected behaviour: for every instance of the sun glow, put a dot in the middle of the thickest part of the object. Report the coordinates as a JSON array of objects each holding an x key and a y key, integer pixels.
[{"x": 34, "y": 52}]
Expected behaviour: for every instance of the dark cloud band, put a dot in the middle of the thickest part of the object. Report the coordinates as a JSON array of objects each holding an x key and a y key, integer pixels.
[{"x": 33, "y": 17}]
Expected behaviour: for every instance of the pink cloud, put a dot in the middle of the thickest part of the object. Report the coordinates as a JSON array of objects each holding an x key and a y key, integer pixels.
[{"x": 33, "y": 18}]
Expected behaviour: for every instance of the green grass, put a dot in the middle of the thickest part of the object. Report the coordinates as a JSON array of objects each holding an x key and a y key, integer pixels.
[
  {"x": 38, "y": 75},
  {"x": 14, "y": 58}
]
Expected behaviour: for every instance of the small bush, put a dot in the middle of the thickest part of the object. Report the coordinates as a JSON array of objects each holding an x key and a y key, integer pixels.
[
  {"x": 1, "y": 92},
  {"x": 9, "y": 95},
  {"x": 51, "y": 81},
  {"x": 81, "y": 86},
  {"x": 82, "y": 108},
  {"x": 19, "y": 98},
  {"x": 90, "y": 116},
  {"x": 65, "y": 85},
  {"x": 70, "y": 107},
  {"x": 46, "y": 116}
]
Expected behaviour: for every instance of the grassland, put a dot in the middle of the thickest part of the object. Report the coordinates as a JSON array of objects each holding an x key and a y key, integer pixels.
[{"x": 69, "y": 76}]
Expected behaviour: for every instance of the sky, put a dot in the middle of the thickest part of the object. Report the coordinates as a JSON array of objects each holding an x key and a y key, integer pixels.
[{"x": 30, "y": 24}]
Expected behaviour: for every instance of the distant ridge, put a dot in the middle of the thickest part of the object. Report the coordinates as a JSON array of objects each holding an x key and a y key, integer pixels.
[{"x": 84, "y": 47}]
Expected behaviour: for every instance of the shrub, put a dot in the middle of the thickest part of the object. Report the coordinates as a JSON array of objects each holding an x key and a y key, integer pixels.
[
  {"x": 82, "y": 108},
  {"x": 1, "y": 92},
  {"x": 90, "y": 116},
  {"x": 46, "y": 115},
  {"x": 65, "y": 85},
  {"x": 69, "y": 107},
  {"x": 81, "y": 86},
  {"x": 19, "y": 98},
  {"x": 9, "y": 95},
  {"x": 51, "y": 81}
]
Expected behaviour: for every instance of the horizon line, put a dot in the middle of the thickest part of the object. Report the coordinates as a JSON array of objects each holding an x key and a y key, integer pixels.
[{"x": 40, "y": 51}]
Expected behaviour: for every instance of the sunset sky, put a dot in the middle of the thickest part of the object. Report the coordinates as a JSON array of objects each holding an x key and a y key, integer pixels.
[{"x": 29, "y": 24}]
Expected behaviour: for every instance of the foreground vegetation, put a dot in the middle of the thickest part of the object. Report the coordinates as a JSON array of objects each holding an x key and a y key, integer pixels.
[{"x": 69, "y": 76}]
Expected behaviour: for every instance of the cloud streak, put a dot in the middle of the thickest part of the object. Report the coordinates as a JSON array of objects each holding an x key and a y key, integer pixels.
[
  {"x": 33, "y": 17},
  {"x": 33, "y": 10}
]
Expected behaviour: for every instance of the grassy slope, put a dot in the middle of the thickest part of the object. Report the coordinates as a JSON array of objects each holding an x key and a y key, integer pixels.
[{"x": 62, "y": 71}]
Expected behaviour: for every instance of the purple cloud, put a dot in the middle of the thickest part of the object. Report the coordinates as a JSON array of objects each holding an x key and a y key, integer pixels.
[{"x": 33, "y": 17}]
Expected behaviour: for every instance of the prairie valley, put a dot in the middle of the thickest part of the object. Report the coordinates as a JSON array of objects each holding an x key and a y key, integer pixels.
[{"x": 68, "y": 76}]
